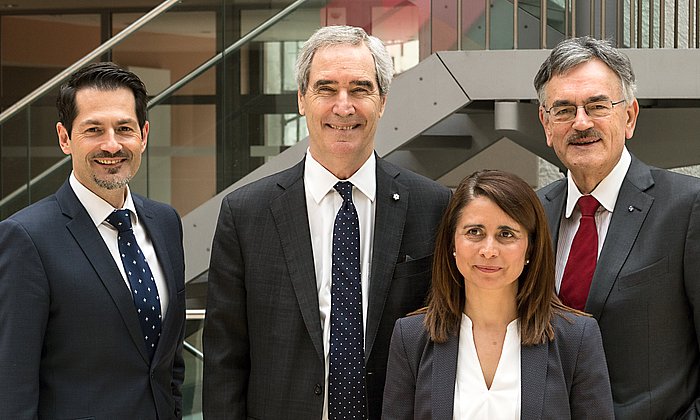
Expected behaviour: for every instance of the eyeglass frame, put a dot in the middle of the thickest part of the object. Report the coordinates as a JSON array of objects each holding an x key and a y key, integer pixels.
[{"x": 612, "y": 107}]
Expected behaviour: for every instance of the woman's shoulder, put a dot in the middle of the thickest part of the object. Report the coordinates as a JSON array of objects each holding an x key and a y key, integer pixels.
[
  {"x": 412, "y": 321},
  {"x": 412, "y": 326},
  {"x": 568, "y": 325},
  {"x": 411, "y": 330}
]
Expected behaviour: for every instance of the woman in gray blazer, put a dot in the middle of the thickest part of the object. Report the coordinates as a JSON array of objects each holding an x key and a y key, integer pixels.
[{"x": 494, "y": 341}]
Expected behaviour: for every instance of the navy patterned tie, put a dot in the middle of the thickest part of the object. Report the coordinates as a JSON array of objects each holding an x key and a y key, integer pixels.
[
  {"x": 143, "y": 286},
  {"x": 346, "y": 377}
]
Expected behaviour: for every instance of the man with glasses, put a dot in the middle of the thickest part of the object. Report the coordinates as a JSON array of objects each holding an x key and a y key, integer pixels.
[{"x": 627, "y": 235}]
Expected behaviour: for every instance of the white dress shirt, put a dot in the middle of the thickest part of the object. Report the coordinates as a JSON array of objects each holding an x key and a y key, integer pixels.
[
  {"x": 322, "y": 204},
  {"x": 98, "y": 210},
  {"x": 606, "y": 193},
  {"x": 473, "y": 400}
]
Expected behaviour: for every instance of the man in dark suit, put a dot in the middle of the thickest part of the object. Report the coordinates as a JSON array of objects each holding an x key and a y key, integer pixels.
[
  {"x": 644, "y": 289},
  {"x": 76, "y": 337},
  {"x": 272, "y": 307}
]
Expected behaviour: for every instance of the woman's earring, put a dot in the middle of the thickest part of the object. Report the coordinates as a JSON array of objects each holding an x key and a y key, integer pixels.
[
  {"x": 527, "y": 262},
  {"x": 454, "y": 253}
]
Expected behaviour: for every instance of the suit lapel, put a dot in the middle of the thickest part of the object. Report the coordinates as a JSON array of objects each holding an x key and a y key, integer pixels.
[
  {"x": 389, "y": 220},
  {"x": 553, "y": 205},
  {"x": 444, "y": 375},
  {"x": 157, "y": 237},
  {"x": 631, "y": 209},
  {"x": 290, "y": 215},
  {"x": 533, "y": 377},
  {"x": 90, "y": 241}
]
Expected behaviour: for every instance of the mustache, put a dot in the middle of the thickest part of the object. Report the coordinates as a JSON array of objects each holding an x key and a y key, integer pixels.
[
  {"x": 578, "y": 135},
  {"x": 119, "y": 154}
]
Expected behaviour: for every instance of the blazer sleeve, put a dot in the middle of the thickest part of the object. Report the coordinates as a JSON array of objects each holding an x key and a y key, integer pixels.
[
  {"x": 24, "y": 311},
  {"x": 400, "y": 386},
  {"x": 691, "y": 277},
  {"x": 590, "y": 395},
  {"x": 179, "y": 361},
  {"x": 225, "y": 338},
  {"x": 178, "y": 373}
]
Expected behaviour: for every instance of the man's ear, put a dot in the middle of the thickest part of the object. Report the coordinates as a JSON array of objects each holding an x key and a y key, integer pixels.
[
  {"x": 144, "y": 136},
  {"x": 546, "y": 125},
  {"x": 632, "y": 114},
  {"x": 382, "y": 98},
  {"x": 63, "y": 138},
  {"x": 300, "y": 102}
]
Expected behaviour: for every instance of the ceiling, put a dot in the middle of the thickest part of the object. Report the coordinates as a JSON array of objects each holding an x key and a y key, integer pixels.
[
  {"x": 19, "y": 6},
  {"x": 14, "y": 6},
  {"x": 192, "y": 23}
]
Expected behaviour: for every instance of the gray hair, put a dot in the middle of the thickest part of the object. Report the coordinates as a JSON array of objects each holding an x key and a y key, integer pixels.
[
  {"x": 569, "y": 53},
  {"x": 344, "y": 35}
]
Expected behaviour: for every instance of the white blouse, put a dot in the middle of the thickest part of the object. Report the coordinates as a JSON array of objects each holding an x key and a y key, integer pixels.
[{"x": 473, "y": 400}]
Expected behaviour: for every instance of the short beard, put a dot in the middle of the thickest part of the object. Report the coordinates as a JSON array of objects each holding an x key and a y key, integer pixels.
[{"x": 112, "y": 184}]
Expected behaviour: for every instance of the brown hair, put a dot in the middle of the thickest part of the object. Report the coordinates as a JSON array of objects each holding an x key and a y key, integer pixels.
[{"x": 536, "y": 300}]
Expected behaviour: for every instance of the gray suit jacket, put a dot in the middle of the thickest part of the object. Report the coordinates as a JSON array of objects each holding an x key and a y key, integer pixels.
[
  {"x": 263, "y": 346},
  {"x": 645, "y": 292},
  {"x": 562, "y": 379},
  {"x": 70, "y": 341}
]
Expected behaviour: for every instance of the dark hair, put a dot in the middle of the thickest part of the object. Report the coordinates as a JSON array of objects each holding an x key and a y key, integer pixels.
[
  {"x": 536, "y": 299},
  {"x": 569, "y": 53},
  {"x": 103, "y": 76}
]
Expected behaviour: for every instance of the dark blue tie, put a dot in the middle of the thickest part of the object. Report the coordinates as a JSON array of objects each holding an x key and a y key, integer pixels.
[
  {"x": 346, "y": 377},
  {"x": 143, "y": 286}
]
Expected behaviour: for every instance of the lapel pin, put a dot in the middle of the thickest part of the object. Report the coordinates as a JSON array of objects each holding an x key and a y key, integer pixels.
[
  {"x": 630, "y": 208},
  {"x": 396, "y": 196}
]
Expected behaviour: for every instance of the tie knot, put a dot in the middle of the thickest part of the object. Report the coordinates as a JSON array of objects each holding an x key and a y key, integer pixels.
[
  {"x": 344, "y": 188},
  {"x": 120, "y": 219},
  {"x": 588, "y": 205}
]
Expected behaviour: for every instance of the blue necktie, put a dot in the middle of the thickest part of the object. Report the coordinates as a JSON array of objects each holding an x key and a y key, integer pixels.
[
  {"x": 143, "y": 286},
  {"x": 346, "y": 378}
]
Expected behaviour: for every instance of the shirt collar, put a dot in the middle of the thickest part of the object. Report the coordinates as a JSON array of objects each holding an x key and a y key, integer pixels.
[
  {"x": 319, "y": 181},
  {"x": 97, "y": 208},
  {"x": 607, "y": 190}
]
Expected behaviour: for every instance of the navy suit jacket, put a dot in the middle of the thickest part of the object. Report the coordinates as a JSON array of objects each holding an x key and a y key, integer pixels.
[
  {"x": 263, "y": 344},
  {"x": 561, "y": 379},
  {"x": 645, "y": 292},
  {"x": 70, "y": 340}
]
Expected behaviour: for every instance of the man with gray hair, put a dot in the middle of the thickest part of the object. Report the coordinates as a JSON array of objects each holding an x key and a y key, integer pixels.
[
  {"x": 627, "y": 235},
  {"x": 311, "y": 267}
]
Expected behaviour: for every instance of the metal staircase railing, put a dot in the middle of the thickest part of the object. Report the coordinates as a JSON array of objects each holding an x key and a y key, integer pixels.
[
  {"x": 168, "y": 92},
  {"x": 65, "y": 74}
]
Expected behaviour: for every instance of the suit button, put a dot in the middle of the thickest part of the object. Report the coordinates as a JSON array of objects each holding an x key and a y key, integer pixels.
[{"x": 318, "y": 389}]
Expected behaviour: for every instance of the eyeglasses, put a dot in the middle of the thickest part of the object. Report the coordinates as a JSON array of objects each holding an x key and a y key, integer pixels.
[{"x": 567, "y": 113}]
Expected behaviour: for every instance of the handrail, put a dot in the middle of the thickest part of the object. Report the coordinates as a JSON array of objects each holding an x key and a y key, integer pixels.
[
  {"x": 156, "y": 99},
  {"x": 65, "y": 74},
  {"x": 194, "y": 315},
  {"x": 48, "y": 171},
  {"x": 220, "y": 56},
  {"x": 193, "y": 350}
]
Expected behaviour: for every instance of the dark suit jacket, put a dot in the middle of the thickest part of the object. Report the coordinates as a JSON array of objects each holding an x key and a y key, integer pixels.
[
  {"x": 70, "y": 341},
  {"x": 263, "y": 348},
  {"x": 562, "y": 379},
  {"x": 645, "y": 292}
]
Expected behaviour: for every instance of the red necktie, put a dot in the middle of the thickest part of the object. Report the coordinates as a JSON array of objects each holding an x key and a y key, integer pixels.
[{"x": 583, "y": 255}]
